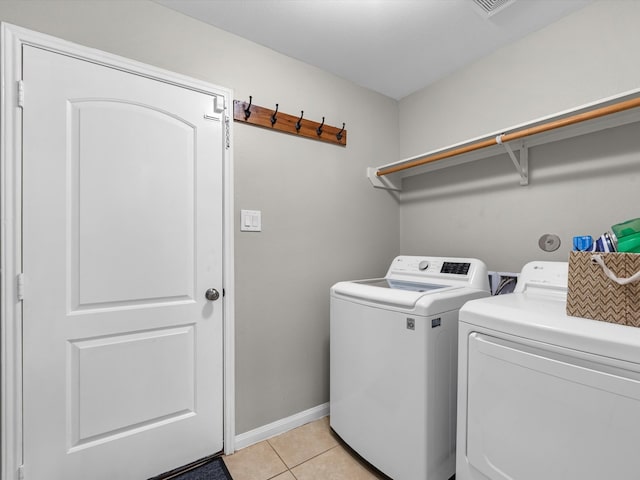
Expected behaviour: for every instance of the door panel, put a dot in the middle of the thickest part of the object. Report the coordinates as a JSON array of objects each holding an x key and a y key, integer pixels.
[
  {"x": 149, "y": 157},
  {"x": 130, "y": 373},
  {"x": 122, "y": 235}
]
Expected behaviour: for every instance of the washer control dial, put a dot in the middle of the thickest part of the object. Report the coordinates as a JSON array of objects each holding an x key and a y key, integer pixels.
[{"x": 423, "y": 265}]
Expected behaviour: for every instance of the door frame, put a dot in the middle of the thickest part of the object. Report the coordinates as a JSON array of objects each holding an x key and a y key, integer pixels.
[{"x": 12, "y": 40}]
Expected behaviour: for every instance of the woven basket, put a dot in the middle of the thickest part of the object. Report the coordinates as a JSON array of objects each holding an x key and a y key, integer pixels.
[{"x": 593, "y": 294}]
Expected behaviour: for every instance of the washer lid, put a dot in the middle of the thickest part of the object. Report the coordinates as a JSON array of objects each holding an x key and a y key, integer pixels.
[
  {"x": 384, "y": 291},
  {"x": 401, "y": 285},
  {"x": 430, "y": 284}
]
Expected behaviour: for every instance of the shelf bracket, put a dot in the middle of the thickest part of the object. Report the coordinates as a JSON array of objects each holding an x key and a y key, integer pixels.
[
  {"x": 522, "y": 163},
  {"x": 380, "y": 181}
]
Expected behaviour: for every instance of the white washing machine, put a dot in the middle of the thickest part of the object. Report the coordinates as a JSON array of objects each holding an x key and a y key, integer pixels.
[
  {"x": 542, "y": 395},
  {"x": 393, "y": 363}
]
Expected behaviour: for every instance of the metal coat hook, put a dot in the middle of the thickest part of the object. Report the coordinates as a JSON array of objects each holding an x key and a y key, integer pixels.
[
  {"x": 278, "y": 120},
  {"x": 298, "y": 124},
  {"x": 247, "y": 111},
  {"x": 319, "y": 129}
]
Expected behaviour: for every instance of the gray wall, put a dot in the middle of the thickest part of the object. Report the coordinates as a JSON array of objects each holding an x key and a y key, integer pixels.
[
  {"x": 322, "y": 222},
  {"x": 578, "y": 186}
]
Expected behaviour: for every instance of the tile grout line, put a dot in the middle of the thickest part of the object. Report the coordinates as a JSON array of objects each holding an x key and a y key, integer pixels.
[
  {"x": 281, "y": 459},
  {"x": 315, "y": 456},
  {"x": 298, "y": 464}
]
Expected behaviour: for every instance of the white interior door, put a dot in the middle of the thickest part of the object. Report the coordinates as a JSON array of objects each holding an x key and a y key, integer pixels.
[{"x": 122, "y": 236}]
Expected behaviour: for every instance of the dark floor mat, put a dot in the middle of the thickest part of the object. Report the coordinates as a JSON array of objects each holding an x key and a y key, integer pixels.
[{"x": 213, "y": 469}]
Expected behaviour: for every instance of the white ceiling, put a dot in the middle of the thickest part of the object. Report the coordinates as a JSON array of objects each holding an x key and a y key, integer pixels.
[{"x": 394, "y": 47}]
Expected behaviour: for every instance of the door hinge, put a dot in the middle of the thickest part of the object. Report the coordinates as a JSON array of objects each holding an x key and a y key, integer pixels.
[
  {"x": 21, "y": 472},
  {"x": 20, "y": 286},
  {"x": 227, "y": 131},
  {"x": 218, "y": 104},
  {"x": 21, "y": 93}
]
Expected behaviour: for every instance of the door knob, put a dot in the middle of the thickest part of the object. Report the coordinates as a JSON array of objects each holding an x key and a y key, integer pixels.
[{"x": 212, "y": 294}]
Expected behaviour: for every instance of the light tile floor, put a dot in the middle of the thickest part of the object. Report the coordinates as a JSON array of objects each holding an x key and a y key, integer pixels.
[{"x": 309, "y": 452}]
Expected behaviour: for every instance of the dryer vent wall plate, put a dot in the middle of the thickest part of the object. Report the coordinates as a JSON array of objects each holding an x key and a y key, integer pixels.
[{"x": 549, "y": 242}]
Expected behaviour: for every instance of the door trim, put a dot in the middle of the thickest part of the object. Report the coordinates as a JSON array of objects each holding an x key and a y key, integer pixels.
[{"x": 12, "y": 39}]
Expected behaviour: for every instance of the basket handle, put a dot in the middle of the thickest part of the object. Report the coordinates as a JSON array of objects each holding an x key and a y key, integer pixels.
[{"x": 621, "y": 281}]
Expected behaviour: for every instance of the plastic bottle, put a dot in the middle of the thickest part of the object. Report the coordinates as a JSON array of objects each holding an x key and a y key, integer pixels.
[
  {"x": 583, "y": 243},
  {"x": 626, "y": 228},
  {"x": 629, "y": 244},
  {"x": 627, "y": 235}
]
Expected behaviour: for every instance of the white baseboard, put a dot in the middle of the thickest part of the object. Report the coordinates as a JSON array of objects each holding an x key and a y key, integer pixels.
[{"x": 280, "y": 426}]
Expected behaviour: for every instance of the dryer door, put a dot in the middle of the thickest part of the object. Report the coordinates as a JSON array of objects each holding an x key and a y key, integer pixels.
[{"x": 536, "y": 411}]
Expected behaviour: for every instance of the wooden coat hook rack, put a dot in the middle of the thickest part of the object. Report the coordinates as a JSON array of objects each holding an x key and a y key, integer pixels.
[{"x": 293, "y": 124}]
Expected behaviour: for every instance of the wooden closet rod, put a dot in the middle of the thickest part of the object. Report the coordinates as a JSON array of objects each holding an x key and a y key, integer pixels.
[{"x": 508, "y": 137}]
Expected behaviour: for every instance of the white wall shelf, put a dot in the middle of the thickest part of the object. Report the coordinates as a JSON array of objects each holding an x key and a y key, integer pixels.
[{"x": 515, "y": 141}]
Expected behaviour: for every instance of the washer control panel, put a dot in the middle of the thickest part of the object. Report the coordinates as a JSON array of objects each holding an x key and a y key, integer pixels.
[
  {"x": 455, "y": 268},
  {"x": 431, "y": 269}
]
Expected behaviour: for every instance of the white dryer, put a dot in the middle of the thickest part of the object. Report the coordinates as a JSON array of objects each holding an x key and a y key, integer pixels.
[
  {"x": 393, "y": 346},
  {"x": 542, "y": 395}
]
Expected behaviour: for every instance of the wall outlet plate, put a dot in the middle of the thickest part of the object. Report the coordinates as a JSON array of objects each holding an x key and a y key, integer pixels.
[{"x": 250, "y": 221}]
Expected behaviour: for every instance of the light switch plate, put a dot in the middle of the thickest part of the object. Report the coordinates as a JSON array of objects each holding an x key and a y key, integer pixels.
[{"x": 250, "y": 221}]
